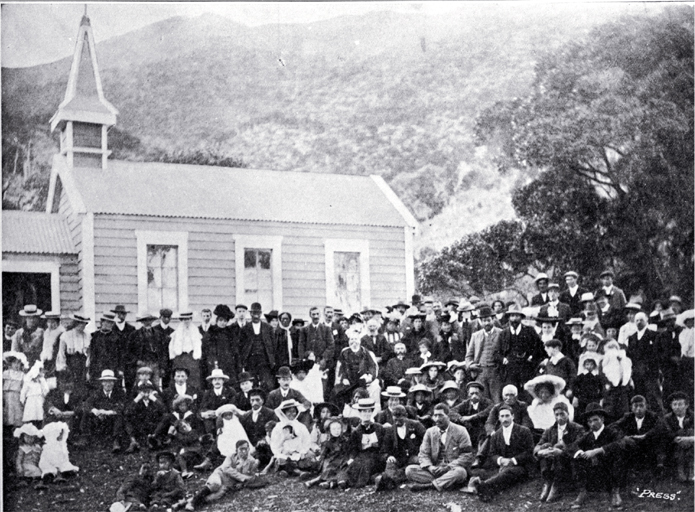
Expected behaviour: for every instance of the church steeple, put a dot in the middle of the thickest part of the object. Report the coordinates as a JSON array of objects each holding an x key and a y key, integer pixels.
[{"x": 84, "y": 116}]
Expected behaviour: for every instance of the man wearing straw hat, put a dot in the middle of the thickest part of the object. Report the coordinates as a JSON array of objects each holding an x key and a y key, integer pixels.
[
  {"x": 104, "y": 411},
  {"x": 29, "y": 339}
]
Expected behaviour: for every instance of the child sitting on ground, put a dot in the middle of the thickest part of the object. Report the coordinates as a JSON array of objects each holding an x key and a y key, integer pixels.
[
  {"x": 238, "y": 469},
  {"x": 55, "y": 459},
  {"x": 34, "y": 391},
  {"x": 29, "y": 454},
  {"x": 135, "y": 492},
  {"x": 168, "y": 487},
  {"x": 333, "y": 458}
]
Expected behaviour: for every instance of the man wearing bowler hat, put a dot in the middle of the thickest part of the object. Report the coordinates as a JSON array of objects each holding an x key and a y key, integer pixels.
[
  {"x": 258, "y": 348},
  {"x": 483, "y": 354},
  {"x": 121, "y": 327},
  {"x": 597, "y": 458}
]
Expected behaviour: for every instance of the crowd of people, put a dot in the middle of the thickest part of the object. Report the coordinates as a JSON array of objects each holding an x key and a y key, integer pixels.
[{"x": 465, "y": 395}]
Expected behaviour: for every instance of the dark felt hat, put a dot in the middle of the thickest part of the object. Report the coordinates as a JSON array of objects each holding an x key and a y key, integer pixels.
[
  {"x": 256, "y": 307},
  {"x": 594, "y": 409},
  {"x": 284, "y": 371},
  {"x": 223, "y": 311}
]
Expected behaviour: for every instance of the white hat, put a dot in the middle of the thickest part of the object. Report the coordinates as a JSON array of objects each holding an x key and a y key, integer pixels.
[
  {"x": 28, "y": 429},
  {"x": 107, "y": 375}
]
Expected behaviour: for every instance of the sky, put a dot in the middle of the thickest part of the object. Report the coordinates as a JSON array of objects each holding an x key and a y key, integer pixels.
[
  {"x": 37, "y": 33},
  {"x": 44, "y": 32}
]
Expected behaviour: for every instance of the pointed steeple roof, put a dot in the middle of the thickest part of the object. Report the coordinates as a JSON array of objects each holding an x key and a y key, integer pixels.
[{"x": 84, "y": 97}]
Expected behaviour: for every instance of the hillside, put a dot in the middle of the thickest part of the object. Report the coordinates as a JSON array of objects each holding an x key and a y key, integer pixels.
[{"x": 385, "y": 93}]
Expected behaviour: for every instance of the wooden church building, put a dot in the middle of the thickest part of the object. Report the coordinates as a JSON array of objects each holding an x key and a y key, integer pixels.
[{"x": 187, "y": 237}]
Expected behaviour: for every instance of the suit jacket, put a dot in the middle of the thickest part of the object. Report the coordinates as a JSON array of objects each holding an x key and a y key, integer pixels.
[
  {"x": 55, "y": 398},
  {"x": 674, "y": 429},
  {"x": 268, "y": 338},
  {"x": 319, "y": 340},
  {"x": 407, "y": 449},
  {"x": 481, "y": 414},
  {"x": 169, "y": 394},
  {"x": 381, "y": 348},
  {"x": 521, "y": 416},
  {"x": 211, "y": 402},
  {"x": 106, "y": 352},
  {"x": 256, "y": 430},
  {"x": 573, "y": 302},
  {"x": 385, "y": 416},
  {"x": 520, "y": 446},
  {"x": 275, "y": 398},
  {"x": 652, "y": 425},
  {"x": 572, "y": 433},
  {"x": 465, "y": 331},
  {"x": 475, "y": 347},
  {"x": 609, "y": 440},
  {"x": 520, "y": 348},
  {"x": 616, "y": 299},
  {"x": 99, "y": 400},
  {"x": 458, "y": 450},
  {"x": 644, "y": 354},
  {"x": 538, "y": 300}
]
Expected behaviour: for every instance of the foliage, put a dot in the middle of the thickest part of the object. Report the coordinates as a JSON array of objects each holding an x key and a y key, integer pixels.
[
  {"x": 610, "y": 120},
  {"x": 484, "y": 262}
]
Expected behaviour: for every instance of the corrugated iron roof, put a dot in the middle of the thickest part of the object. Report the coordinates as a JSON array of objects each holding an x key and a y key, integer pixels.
[
  {"x": 178, "y": 190},
  {"x": 35, "y": 232}
]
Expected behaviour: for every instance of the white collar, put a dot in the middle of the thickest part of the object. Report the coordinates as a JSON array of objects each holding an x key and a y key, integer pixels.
[{"x": 598, "y": 432}]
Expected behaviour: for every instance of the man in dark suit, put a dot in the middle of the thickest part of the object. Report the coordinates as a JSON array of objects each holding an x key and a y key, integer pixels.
[
  {"x": 402, "y": 444},
  {"x": 122, "y": 328},
  {"x": 254, "y": 420},
  {"x": 106, "y": 351},
  {"x": 258, "y": 348},
  {"x": 551, "y": 450},
  {"x": 616, "y": 297},
  {"x": 444, "y": 455},
  {"x": 679, "y": 436},
  {"x": 316, "y": 341},
  {"x": 541, "y": 297},
  {"x": 643, "y": 350},
  {"x": 573, "y": 293},
  {"x": 180, "y": 387},
  {"x": 521, "y": 349},
  {"x": 644, "y": 437},
  {"x": 285, "y": 392},
  {"x": 511, "y": 450},
  {"x": 473, "y": 412},
  {"x": 597, "y": 457},
  {"x": 103, "y": 411},
  {"x": 554, "y": 307}
]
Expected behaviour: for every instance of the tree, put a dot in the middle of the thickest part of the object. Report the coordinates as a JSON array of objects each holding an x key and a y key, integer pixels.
[
  {"x": 613, "y": 117},
  {"x": 485, "y": 262}
]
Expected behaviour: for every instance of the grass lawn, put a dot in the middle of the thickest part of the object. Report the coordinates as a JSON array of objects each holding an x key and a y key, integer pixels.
[{"x": 93, "y": 490}]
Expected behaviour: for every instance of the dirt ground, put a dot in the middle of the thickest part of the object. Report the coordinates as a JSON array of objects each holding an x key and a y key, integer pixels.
[{"x": 93, "y": 490}]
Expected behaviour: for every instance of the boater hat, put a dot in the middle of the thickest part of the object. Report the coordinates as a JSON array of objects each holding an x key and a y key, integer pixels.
[
  {"x": 51, "y": 315},
  {"x": 288, "y": 404},
  {"x": 515, "y": 309},
  {"x": 364, "y": 404},
  {"x": 30, "y": 310},
  {"x": 393, "y": 392},
  {"x": 107, "y": 375}
]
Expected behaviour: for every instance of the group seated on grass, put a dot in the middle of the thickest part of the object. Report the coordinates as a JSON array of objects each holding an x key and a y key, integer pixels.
[{"x": 489, "y": 402}]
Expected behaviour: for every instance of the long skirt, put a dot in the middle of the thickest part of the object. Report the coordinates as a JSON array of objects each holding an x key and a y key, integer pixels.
[{"x": 363, "y": 467}]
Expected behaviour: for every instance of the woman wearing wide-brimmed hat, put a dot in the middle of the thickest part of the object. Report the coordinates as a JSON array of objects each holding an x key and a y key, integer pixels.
[
  {"x": 546, "y": 391},
  {"x": 73, "y": 352},
  {"x": 29, "y": 339}
]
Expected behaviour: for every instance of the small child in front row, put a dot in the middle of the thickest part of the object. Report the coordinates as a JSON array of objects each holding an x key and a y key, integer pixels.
[
  {"x": 34, "y": 391},
  {"x": 12, "y": 382},
  {"x": 168, "y": 487},
  {"x": 239, "y": 468},
  {"x": 29, "y": 454},
  {"x": 334, "y": 456}
]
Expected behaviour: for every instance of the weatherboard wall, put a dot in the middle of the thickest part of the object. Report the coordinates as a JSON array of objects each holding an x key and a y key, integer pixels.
[
  {"x": 75, "y": 228},
  {"x": 211, "y": 260}
]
